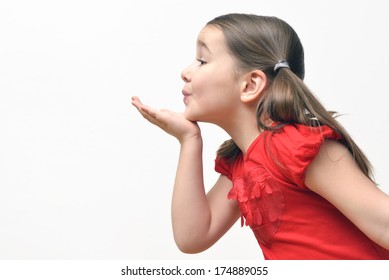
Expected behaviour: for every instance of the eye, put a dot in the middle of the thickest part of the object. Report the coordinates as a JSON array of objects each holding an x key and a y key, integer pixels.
[{"x": 201, "y": 62}]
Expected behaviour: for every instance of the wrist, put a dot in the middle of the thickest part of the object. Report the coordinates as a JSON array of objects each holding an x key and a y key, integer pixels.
[{"x": 191, "y": 139}]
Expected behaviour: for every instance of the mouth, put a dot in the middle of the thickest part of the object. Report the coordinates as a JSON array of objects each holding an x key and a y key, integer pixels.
[{"x": 186, "y": 96}]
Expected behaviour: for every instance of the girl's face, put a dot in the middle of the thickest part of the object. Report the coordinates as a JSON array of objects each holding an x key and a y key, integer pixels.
[{"x": 211, "y": 91}]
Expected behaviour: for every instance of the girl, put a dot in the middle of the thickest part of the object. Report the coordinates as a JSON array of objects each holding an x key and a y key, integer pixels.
[{"x": 290, "y": 170}]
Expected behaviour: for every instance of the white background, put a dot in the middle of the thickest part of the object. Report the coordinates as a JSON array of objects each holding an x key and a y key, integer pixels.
[{"x": 83, "y": 176}]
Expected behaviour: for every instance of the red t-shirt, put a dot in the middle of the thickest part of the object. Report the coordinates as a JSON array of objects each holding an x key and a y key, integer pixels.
[{"x": 289, "y": 220}]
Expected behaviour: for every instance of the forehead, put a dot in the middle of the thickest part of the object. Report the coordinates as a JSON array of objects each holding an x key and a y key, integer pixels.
[{"x": 212, "y": 38}]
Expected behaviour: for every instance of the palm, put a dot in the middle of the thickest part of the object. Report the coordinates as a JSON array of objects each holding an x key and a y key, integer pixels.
[{"x": 171, "y": 122}]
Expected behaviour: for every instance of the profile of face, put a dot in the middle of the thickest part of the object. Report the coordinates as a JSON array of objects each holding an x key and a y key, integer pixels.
[{"x": 211, "y": 90}]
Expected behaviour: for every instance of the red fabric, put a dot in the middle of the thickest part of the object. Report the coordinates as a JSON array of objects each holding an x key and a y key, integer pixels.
[{"x": 289, "y": 220}]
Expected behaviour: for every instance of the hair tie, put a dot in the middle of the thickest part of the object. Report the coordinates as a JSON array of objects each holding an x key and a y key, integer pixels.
[{"x": 281, "y": 64}]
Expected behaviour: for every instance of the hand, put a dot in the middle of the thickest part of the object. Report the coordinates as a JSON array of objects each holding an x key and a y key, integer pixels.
[{"x": 173, "y": 123}]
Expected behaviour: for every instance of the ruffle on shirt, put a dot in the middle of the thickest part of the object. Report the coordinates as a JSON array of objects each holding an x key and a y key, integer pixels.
[
  {"x": 261, "y": 202},
  {"x": 295, "y": 147}
]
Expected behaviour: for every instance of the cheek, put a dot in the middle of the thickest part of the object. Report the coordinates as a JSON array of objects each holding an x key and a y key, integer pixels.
[
  {"x": 199, "y": 84},
  {"x": 208, "y": 85},
  {"x": 214, "y": 93}
]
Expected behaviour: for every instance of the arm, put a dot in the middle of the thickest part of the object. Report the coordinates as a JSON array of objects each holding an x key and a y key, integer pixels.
[
  {"x": 334, "y": 175},
  {"x": 199, "y": 219}
]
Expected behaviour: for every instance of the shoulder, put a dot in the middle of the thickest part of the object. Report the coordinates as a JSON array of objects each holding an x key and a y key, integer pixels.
[
  {"x": 225, "y": 167},
  {"x": 300, "y": 141},
  {"x": 293, "y": 148},
  {"x": 332, "y": 163},
  {"x": 294, "y": 136}
]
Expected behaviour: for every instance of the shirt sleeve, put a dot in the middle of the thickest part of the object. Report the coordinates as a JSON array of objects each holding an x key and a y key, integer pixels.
[
  {"x": 222, "y": 167},
  {"x": 295, "y": 147}
]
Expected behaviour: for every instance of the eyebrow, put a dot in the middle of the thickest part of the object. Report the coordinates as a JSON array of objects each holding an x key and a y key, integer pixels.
[{"x": 202, "y": 44}]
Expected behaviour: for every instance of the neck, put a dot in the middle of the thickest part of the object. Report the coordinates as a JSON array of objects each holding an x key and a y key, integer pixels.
[{"x": 243, "y": 130}]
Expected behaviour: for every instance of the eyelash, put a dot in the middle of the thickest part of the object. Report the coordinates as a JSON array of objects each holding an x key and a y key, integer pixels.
[{"x": 202, "y": 62}]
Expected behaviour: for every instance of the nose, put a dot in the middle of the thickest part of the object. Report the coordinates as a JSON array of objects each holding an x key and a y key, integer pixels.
[{"x": 185, "y": 74}]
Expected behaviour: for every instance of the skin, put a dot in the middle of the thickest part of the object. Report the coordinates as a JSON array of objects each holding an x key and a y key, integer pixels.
[{"x": 213, "y": 86}]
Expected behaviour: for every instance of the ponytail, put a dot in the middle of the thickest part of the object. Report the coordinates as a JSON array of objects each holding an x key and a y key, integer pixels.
[{"x": 289, "y": 101}]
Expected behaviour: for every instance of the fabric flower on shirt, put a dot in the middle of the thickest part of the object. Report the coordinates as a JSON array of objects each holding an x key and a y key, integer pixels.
[{"x": 261, "y": 202}]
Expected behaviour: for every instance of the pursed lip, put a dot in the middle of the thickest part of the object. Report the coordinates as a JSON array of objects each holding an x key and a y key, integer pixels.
[{"x": 186, "y": 95}]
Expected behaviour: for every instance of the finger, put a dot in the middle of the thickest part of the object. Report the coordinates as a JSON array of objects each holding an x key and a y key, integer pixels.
[
  {"x": 143, "y": 108},
  {"x": 149, "y": 110},
  {"x": 139, "y": 105},
  {"x": 136, "y": 102},
  {"x": 149, "y": 113}
]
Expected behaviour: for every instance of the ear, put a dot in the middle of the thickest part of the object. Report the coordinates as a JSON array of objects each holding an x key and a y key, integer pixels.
[{"x": 253, "y": 85}]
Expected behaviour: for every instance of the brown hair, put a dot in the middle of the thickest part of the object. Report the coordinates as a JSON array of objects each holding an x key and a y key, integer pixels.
[{"x": 259, "y": 42}]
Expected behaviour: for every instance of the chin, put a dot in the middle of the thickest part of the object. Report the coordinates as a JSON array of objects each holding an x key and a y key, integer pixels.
[
  {"x": 189, "y": 116},
  {"x": 192, "y": 116}
]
